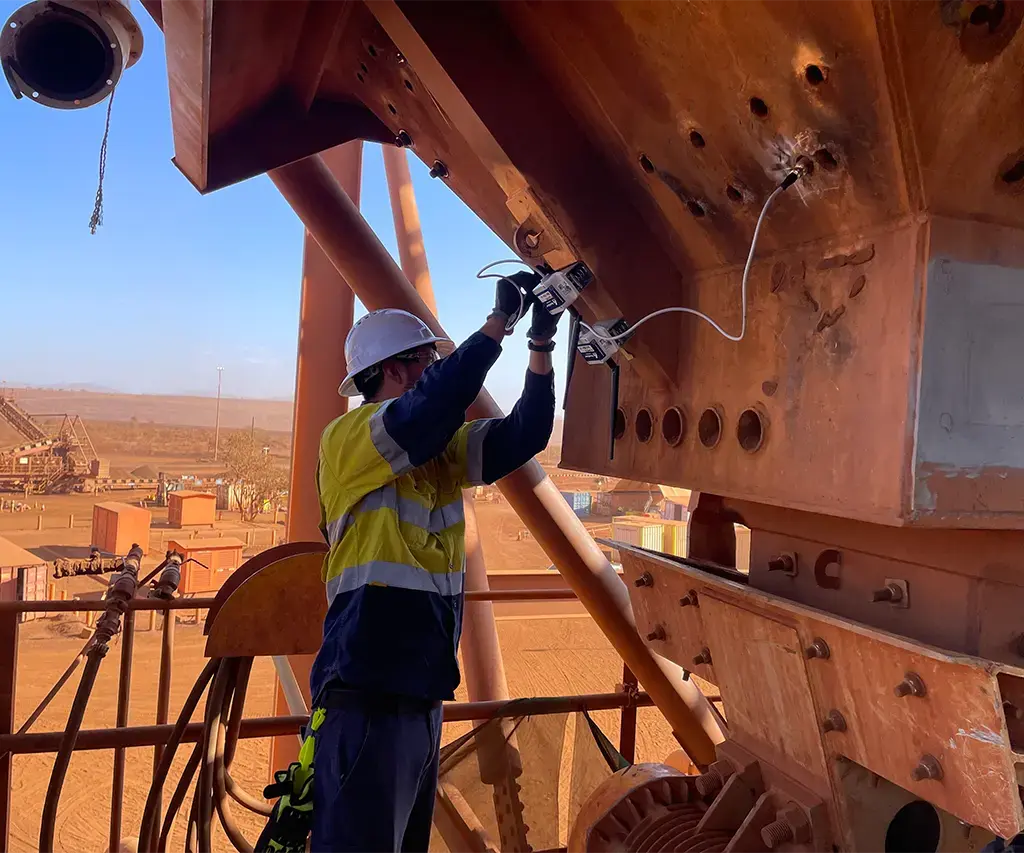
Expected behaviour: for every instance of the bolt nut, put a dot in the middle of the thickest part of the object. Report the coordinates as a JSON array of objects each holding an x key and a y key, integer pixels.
[
  {"x": 703, "y": 657},
  {"x": 402, "y": 139},
  {"x": 711, "y": 782},
  {"x": 532, "y": 239},
  {"x": 657, "y": 634},
  {"x": 834, "y": 722},
  {"x": 689, "y": 600},
  {"x": 790, "y": 825},
  {"x": 646, "y": 579},
  {"x": 927, "y": 768},
  {"x": 818, "y": 649},
  {"x": 785, "y": 563},
  {"x": 891, "y": 592},
  {"x": 438, "y": 170},
  {"x": 911, "y": 685}
]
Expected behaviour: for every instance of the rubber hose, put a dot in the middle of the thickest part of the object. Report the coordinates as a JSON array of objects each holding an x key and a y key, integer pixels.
[
  {"x": 178, "y": 797},
  {"x": 190, "y": 841},
  {"x": 167, "y": 757},
  {"x": 237, "y": 709},
  {"x": 204, "y": 792},
  {"x": 227, "y": 819},
  {"x": 67, "y": 745}
]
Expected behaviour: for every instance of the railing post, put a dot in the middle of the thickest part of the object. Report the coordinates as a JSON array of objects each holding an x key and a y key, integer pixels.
[
  {"x": 8, "y": 676},
  {"x": 627, "y": 726},
  {"x": 124, "y": 687},
  {"x": 163, "y": 702}
]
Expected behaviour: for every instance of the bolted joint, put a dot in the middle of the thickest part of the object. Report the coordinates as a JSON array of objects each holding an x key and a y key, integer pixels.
[
  {"x": 657, "y": 634},
  {"x": 927, "y": 768},
  {"x": 689, "y": 600},
  {"x": 703, "y": 657},
  {"x": 402, "y": 139},
  {"x": 790, "y": 825},
  {"x": 710, "y": 783},
  {"x": 911, "y": 685},
  {"x": 438, "y": 170},
  {"x": 785, "y": 563},
  {"x": 818, "y": 650},
  {"x": 646, "y": 579},
  {"x": 890, "y": 592},
  {"x": 834, "y": 722}
]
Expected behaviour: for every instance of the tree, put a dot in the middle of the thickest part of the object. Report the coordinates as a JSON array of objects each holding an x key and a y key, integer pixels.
[{"x": 258, "y": 477}]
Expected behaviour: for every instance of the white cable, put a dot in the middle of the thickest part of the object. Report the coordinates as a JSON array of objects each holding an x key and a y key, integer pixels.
[
  {"x": 693, "y": 311},
  {"x": 480, "y": 275}
]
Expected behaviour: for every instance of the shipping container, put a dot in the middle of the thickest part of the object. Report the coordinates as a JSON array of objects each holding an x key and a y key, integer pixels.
[
  {"x": 674, "y": 511},
  {"x": 187, "y": 508},
  {"x": 579, "y": 501},
  {"x": 23, "y": 576},
  {"x": 675, "y": 537},
  {"x": 639, "y": 531},
  {"x": 219, "y": 556},
  {"x": 117, "y": 526}
]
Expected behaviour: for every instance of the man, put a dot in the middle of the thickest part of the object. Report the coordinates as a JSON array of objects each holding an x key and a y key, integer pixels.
[{"x": 390, "y": 479}]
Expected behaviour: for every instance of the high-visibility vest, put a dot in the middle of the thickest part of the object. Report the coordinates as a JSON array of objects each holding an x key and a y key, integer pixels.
[{"x": 394, "y": 571}]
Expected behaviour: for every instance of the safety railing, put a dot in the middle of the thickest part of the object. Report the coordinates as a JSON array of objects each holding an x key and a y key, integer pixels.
[{"x": 122, "y": 737}]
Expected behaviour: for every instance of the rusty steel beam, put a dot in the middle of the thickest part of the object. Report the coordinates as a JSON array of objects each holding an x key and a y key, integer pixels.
[
  {"x": 347, "y": 239},
  {"x": 83, "y": 606},
  {"x": 327, "y": 306},
  {"x": 481, "y": 651},
  {"x": 124, "y": 690},
  {"x": 412, "y": 254},
  {"x": 255, "y": 727}
]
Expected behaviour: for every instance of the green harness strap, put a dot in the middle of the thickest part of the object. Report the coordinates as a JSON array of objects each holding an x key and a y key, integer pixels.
[{"x": 292, "y": 817}]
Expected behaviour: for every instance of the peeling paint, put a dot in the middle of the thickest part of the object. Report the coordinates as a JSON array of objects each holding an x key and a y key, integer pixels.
[{"x": 983, "y": 735}]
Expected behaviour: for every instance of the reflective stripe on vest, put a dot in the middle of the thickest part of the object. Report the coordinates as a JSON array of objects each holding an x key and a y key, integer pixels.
[
  {"x": 381, "y": 573},
  {"x": 408, "y": 510}
]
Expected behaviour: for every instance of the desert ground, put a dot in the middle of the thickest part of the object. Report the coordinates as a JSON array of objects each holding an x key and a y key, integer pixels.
[{"x": 550, "y": 655}]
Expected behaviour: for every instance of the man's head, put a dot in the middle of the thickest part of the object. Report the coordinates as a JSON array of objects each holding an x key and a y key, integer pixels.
[{"x": 387, "y": 352}]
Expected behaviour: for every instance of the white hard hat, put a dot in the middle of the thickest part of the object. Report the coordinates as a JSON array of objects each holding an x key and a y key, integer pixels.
[{"x": 381, "y": 334}]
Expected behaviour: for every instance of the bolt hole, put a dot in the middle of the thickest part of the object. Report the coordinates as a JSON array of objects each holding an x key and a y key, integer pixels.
[
  {"x": 408, "y": 85},
  {"x": 359, "y": 77},
  {"x": 619, "y": 428},
  {"x": 826, "y": 159},
  {"x": 14, "y": 25},
  {"x": 646, "y": 164},
  {"x": 750, "y": 431},
  {"x": 990, "y": 14},
  {"x": 370, "y": 49},
  {"x": 644, "y": 425},
  {"x": 673, "y": 425},
  {"x": 365, "y": 70},
  {"x": 1015, "y": 173},
  {"x": 915, "y": 827},
  {"x": 35, "y": 94},
  {"x": 392, "y": 110},
  {"x": 696, "y": 208},
  {"x": 734, "y": 194},
  {"x": 759, "y": 108},
  {"x": 709, "y": 428},
  {"x": 696, "y": 140},
  {"x": 814, "y": 75}
]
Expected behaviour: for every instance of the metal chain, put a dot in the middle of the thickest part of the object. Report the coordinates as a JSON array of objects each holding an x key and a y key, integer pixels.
[{"x": 96, "y": 220}]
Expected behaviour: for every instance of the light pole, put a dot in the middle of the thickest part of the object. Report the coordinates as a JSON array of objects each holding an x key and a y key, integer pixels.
[{"x": 216, "y": 427}]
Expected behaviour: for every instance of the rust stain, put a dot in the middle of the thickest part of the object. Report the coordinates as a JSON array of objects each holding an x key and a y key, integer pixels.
[
  {"x": 830, "y": 318},
  {"x": 942, "y": 489}
]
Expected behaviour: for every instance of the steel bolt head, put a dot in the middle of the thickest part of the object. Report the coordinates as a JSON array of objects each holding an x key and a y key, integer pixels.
[
  {"x": 690, "y": 599},
  {"x": 834, "y": 722},
  {"x": 703, "y": 657},
  {"x": 438, "y": 170},
  {"x": 658, "y": 633},
  {"x": 927, "y": 768},
  {"x": 818, "y": 649},
  {"x": 782, "y": 563},
  {"x": 402, "y": 139},
  {"x": 646, "y": 579},
  {"x": 911, "y": 685}
]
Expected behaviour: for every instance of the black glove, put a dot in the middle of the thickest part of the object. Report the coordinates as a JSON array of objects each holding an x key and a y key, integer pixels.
[
  {"x": 542, "y": 324},
  {"x": 513, "y": 295}
]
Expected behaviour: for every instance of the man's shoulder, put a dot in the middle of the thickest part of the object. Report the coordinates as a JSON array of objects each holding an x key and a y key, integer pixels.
[{"x": 353, "y": 420}]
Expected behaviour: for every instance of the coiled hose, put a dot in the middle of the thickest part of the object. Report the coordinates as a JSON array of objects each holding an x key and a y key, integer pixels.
[{"x": 228, "y": 681}]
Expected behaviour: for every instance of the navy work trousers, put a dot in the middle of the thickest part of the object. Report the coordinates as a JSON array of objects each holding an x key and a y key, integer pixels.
[{"x": 375, "y": 778}]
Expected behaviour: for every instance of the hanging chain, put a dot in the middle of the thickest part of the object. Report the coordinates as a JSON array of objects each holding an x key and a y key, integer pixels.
[{"x": 96, "y": 220}]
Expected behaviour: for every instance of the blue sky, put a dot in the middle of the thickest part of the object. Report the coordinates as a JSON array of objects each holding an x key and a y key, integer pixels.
[{"x": 174, "y": 283}]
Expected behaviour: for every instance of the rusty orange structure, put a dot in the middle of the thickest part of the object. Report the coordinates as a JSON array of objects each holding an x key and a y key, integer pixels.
[{"x": 864, "y": 423}]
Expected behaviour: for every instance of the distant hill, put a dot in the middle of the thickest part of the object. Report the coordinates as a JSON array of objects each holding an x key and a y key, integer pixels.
[{"x": 235, "y": 413}]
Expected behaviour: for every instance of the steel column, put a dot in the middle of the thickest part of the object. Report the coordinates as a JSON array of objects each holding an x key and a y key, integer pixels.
[
  {"x": 411, "y": 252},
  {"x": 124, "y": 692},
  {"x": 325, "y": 317},
  {"x": 346, "y": 238},
  {"x": 8, "y": 679}
]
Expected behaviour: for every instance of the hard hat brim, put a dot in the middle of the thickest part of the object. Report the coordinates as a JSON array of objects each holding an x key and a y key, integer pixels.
[{"x": 347, "y": 388}]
